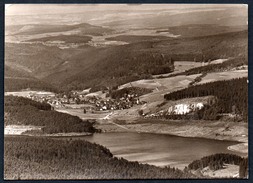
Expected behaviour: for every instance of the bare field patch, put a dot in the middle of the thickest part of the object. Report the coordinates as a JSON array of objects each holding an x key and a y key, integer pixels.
[
  {"x": 227, "y": 75},
  {"x": 19, "y": 129},
  {"x": 169, "y": 85},
  {"x": 26, "y": 93},
  {"x": 149, "y": 84},
  {"x": 80, "y": 114},
  {"x": 242, "y": 147},
  {"x": 227, "y": 171}
]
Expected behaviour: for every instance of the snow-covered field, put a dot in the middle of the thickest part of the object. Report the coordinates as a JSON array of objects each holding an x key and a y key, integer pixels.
[
  {"x": 19, "y": 129},
  {"x": 26, "y": 93}
]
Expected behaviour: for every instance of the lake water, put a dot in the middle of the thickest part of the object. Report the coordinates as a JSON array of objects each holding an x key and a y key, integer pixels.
[{"x": 159, "y": 149}]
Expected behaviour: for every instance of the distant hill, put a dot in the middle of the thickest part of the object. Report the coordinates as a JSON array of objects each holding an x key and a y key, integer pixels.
[
  {"x": 16, "y": 84},
  {"x": 115, "y": 65},
  {"x": 91, "y": 66},
  {"x": 34, "y": 57},
  {"x": 197, "y": 30},
  {"x": 74, "y": 39},
  {"x": 30, "y": 29},
  {"x": 137, "y": 38},
  {"x": 15, "y": 70},
  {"x": 232, "y": 16},
  {"x": 16, "y": 79}
]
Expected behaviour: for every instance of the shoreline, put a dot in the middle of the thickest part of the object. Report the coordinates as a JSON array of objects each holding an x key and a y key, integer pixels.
[
  {"x": 190, "y": 129},
  {"x": 234, "y": 148},
  {"x": 212, "y": 131},
  {"x": 53, "y": 135}
]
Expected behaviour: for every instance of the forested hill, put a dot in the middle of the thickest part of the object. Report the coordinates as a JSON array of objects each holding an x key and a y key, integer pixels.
[
  {"x": 122, "y": 64},
  {"x": 17, "y": 77},
  {"x": 43, "y": 158},
  {"x": 217, "y": 161},
  {"x": 91, "y": 66},
  {"x": 232, "y": 97},
  {"x": 23, "y": 111}
]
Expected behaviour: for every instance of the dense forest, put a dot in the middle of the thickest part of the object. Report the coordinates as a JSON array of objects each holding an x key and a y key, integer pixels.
[
  {"x": 244, "y": 168},
  {"x": 44, "y": 158},
  {"x": 120, "y": 68},
  {"x": 232, "y": 97},
  {"x": 141, "y": 60},
  {"x": 10, "y": 101},
  {"x": 217, "y": 161},
  {"x": 21, "y": 111}
]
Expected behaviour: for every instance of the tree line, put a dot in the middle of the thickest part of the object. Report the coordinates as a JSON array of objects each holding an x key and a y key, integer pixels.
[
  {"x": 217, "y": 161},
  {"x": 121, "y": 67},
  {"x": 21, "y": 101},
  {"x": 232, "y": 97},
  {"x": 229, "y": 64},
  {"x": 23, "y": 111}
]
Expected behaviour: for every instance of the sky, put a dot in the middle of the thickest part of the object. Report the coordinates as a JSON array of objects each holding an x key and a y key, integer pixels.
[{"x": 33, "y": 9}]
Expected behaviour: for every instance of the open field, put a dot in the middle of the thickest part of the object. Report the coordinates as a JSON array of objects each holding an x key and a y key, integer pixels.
[
  {"x": 19, "y": 129},
  {"x": 227, "y": 75},
  {"x": 37, "y": 131},
  {"x": 77, "y": 106},
  {"x": 26, "y": 93},
  {"x": 80, "y": 114},
  {"x": 168, "y": 85},
  {"x": 181, "y": 66},
  {"x": 242, "y": 147},
  {"x": 161, "y": 86},
  {"x": 227, "y": 171}
]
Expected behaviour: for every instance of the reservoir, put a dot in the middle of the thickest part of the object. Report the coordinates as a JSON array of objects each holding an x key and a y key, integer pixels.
[{"x": 159, "y": 149}]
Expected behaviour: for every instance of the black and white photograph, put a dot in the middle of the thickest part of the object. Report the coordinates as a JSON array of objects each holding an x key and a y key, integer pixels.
[{"x": 125, "y": 91}]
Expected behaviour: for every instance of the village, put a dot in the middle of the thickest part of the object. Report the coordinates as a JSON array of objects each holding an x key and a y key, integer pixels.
[
  {"x": 100, "y": 101},
  {"x": 90, "y": 102}
]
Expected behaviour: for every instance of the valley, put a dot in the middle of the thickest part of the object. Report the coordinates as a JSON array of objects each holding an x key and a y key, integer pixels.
[{"x": 136, "y": 93}]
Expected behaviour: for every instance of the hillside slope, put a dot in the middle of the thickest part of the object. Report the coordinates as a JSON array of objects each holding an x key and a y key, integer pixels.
[
  {"x": 90, "y": 66},
  {"x": 225, "y": 17},
  {"x": 116, "y": 64},
  {"x": 31, "y": 29},
  {"x": 43, "y": 158},
  {"x": 23, "y": 111}
]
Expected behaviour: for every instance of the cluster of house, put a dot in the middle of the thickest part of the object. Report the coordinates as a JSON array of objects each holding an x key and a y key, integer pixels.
[
  {"x": 100, "y": 104},
  {"x": 48, "y": 98},
  {"x": 178, "y": 109},
  {"x": 117, "y": 104}
]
